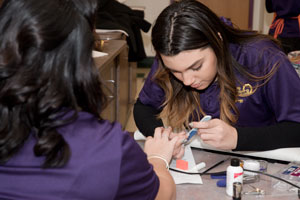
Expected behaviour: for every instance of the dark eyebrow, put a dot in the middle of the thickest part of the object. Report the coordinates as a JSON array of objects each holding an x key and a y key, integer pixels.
[{"x": 191, "y": 66}]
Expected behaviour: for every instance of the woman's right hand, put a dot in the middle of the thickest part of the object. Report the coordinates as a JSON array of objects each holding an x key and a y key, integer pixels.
[{"x": 160, "y": 144}]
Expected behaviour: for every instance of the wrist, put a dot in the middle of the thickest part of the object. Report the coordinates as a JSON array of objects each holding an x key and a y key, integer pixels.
[{"x": 158, "y": 158}]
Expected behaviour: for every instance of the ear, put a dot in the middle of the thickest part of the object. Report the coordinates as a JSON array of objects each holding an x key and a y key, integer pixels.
[{"x": 220, "y": 36}]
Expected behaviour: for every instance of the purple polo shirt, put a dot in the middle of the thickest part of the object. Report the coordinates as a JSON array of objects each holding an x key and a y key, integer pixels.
[
  {"x": 286, "y": 9},
  {"x": 106, "y": 163},
  {"x": 276, "y": 101}
]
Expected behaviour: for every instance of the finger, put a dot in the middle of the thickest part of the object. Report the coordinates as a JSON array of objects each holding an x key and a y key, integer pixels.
[
  {"x": 180, "y": 153},
  {"x": 191, "y": 124},
  {"x": 210, "y": 131},
  {"x": 166, "y": 133},
  {"x": 158, "y": 132},
  {"x": 176, "y": 151},
  {"x": 149, "y": 137},
  {"x": 211, "y": 123},
  {"x": 207, "y": 124},
  {"x": 182, "y": 133},
  {"x": 174, "y": 140},
  {"x": 207, "y": 136},
  {"x": 202, "y": 125},
  {"x": 173, "y": 134},
  {"x": 180, "y": 140}
]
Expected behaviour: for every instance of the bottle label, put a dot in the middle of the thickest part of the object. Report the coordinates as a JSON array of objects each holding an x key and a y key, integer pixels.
[{"x": 236, "y": 175}]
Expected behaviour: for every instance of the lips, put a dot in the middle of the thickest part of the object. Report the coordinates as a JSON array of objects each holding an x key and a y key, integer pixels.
[{"x": 195, "y": 85}]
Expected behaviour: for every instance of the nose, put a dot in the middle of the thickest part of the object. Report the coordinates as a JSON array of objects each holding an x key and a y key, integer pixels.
[{"x": 187, "y": 79}]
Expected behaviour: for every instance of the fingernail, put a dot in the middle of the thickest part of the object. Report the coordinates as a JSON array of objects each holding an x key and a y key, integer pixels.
[{"x": 191, "y": 124}]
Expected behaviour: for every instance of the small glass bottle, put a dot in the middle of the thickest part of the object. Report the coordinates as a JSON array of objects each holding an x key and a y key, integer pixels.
[
  {"x": 237, "y": 191},
  {"x": 234, "y": 173}
]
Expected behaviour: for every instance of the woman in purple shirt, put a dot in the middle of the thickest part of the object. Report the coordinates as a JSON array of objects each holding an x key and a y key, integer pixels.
[
  {"x": 240, "y": 78},
  {"x": 53, "y": 142}
]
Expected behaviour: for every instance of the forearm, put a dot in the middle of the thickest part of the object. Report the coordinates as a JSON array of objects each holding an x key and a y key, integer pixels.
[
  {"x": 281, "y": 135},
  {"x": 145, "y": 118},
  {"x": 167, "y": 188}
]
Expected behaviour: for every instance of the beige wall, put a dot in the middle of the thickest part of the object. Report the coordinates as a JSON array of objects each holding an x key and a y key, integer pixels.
[{"x": 236, "y": 10}]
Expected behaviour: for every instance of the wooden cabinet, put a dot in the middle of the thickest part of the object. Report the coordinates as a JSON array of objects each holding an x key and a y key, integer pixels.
[
  {"x": 108, "y": 76},
  {"x": 238, "y": 11},
  {"x": 114, "y": 72}
]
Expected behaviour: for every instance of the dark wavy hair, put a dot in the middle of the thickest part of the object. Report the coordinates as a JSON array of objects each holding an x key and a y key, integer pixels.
[
  {"x": 188, "y": 25},
  {"x": 46, "y": 71}
]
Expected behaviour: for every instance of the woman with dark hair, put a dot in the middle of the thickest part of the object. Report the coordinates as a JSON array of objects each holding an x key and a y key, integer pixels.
[
  {"x": 204, "y": 67},
  {"x": 53, "y": 142}
]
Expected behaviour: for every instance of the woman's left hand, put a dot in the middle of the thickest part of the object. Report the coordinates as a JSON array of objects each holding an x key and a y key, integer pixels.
[{"x": 217, "y": 133}]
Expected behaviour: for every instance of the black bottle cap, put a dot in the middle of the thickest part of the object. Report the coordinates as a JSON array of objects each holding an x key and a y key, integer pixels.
[{"x": 235, "y": 162}]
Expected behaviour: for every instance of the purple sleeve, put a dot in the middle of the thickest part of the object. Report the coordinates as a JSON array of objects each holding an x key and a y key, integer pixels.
[
  {"x": 274, "y": 108},
  {"x": 151, "y": 94},
  {"x": 279, "y": 99},
  {"x": 283, "y": 91},
  {"x": 137, "y": 177}
]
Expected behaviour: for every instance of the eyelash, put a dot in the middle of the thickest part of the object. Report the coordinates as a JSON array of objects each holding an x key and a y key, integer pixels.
[{"x": 196, "y": 69}]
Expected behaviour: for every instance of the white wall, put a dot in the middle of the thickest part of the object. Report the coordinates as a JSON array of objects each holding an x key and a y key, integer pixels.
[
  {"x": 152, "y": 10},
  {"x": 268, "y": 17},
  {"x": 261, "y": 18}
]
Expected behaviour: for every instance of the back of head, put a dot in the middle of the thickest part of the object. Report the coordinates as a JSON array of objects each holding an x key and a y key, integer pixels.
[{"x": 46, "y": 70}]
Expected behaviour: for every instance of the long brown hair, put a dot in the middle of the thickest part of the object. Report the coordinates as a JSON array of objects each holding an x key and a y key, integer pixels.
[{"x": 189, "y": 25}]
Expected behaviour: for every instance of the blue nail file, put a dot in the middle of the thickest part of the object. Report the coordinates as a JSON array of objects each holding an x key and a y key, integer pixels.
[
  {"x": 191, "y": 133},
  {"x": 194, "y": 131}
]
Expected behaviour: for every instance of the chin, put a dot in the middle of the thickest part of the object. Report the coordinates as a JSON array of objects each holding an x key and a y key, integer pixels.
[{"x": 201, "y": 87}]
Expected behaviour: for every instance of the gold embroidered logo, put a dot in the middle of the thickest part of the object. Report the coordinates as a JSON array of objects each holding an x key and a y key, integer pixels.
[{"x": 246, "y": 91}]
